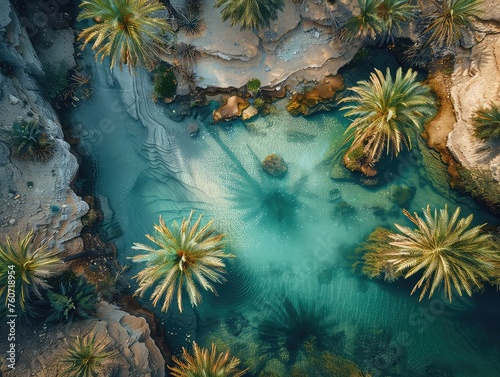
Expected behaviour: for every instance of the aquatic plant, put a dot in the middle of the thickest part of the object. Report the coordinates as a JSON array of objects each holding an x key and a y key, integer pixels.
[
  {"x": 128, "y": 31},
  {"x": 294, "y": 328},
  {"x": 187, "y": 252},
  {"x": 486, "y": 122},
  {"x": 206, "y": 363},
  {"x": 386, "y": 111},
  {"x": 31, "y": 142},
  {"x": 366, "y": 25},
  {"x": 165, "y": 83},
  {"x": 442, "y": 248},
  {"x": 250, "y": 14},
  {"x": 30, "y": 263},
  {"x": 71, "y": 299},
  {"x": 85, "y": 356},
  {"x": 448, "y": 19}
]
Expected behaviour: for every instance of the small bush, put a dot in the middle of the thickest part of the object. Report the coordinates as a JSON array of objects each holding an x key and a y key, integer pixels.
[
  {"x": 165, "y": 83},
  {"x": 253, "y": 85},
  {"x": 71, "y": 299},
  {"x": 31, "y": 142},
  {"x": 54, "y": 83}
]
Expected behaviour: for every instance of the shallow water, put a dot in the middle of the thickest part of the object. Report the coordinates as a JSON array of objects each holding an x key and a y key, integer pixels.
[{"x": 291, "y": 236}]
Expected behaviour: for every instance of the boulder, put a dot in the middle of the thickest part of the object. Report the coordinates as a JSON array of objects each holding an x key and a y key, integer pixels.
[
  {"x": 249, "y": 112},
  {"x": 320, "y": 97},
  {"x": 274, "y": 165},
  {"x": 232, "y": 108}
]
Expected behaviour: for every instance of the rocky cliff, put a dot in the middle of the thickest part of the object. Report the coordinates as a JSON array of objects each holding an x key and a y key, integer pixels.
[
  {"x": 128, "y": 337},
  {"x": 476, "y": 84},
  {"x": 33, "y": 194}
]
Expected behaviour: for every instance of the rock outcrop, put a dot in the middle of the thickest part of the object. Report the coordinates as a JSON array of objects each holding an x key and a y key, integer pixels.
[
  {"x": 232, "y": 108},
  {"x": 33, "y": 195},
  {"x": 300, "y": 45},
  {"x": 475, "y": 84},
  {"x": 320, "y": 97},
  {"x": 127, "y": 336}
]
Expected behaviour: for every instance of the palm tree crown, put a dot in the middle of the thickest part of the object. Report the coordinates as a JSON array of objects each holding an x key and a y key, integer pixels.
[
  {"x": 30, "y": 266},
  {"x": 127, "y": 30},
  {"x": 186, "y": 254},
  {"x": 486, "y": 122},
  {"x": 442, "y": 248},
  {"x": 386, "y": 110},
  {"x": 205, "y": 363},
  {"x": 448, "y": 19},
  {"x": 250, "y": 13}
]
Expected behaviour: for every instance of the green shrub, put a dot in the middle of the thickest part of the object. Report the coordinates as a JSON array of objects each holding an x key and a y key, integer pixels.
[
  {"x": 31, "y": 142},
  {"x": 54, "y": 83},
  {"x": 165, "y": 83},
  {"x": 253, "y": 86},
  {"x": 71, "y": 299},
  {"x": 259, "y": 103}
]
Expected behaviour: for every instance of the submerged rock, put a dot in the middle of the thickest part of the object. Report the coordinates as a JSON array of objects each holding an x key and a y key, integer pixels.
[
  {"x": 320, "y": 97},
  {"x": 232, "y": 108},
  {"x": 193, "y": 129},
  {"x": 274, "y": 165}
]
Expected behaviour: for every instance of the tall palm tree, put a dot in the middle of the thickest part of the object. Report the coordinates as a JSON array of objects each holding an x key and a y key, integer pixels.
[
  {"x": 187, "y": 253},
  {"x": 486, "y": 122},
  {"x": 442, "y": 248},
  {"x": 128, "y": 31},
  {"x": 250, "y": 14},
  {"x": 28, "y": 266},
  {"x": 385, "y": 112},
  {"x": 448, "y": 19},
  {"x": 205, "y": 363}
]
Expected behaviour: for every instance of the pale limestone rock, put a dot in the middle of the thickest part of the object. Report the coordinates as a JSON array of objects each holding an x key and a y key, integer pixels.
[
  {"x": 470, "y": 92},
  {"x": 249, "y": 112},
  {"x": 13, "y": 99}
]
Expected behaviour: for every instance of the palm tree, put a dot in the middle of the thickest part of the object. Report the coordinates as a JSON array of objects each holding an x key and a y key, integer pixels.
[
  {"x": 448, "y": 19},
  {"x": 366, "y": 25},
  {"x": 250, "y": 13},
  {"x": 186, "y": 254},
  {"x": 85, "y": 357},
  {"x": 442, "y": 248},
  {"x": 205, "y": 363},
  {"x": 386, "y": 111},
  {"x": 126, "y": 30},
  {"x": 394, "y": 14},
  {"x": 27, "y": 266},
  {"x": 486, "y": 122}
]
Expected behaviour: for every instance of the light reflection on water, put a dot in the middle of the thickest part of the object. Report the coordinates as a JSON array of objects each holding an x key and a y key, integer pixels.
[{"x": 292, "y": 235}]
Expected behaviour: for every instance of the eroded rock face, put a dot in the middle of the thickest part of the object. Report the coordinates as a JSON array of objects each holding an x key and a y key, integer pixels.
[
  {"x": 129, "y": 337},
  {"x": 475, "y": 85},
  {"x": 232, "y": 108},
  {"x": 320, "y": 97},
  {"x": 33, "y": 194}
]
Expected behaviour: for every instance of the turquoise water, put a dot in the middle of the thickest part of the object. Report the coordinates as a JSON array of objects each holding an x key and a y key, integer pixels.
[{"x": 291, "y": 236}]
